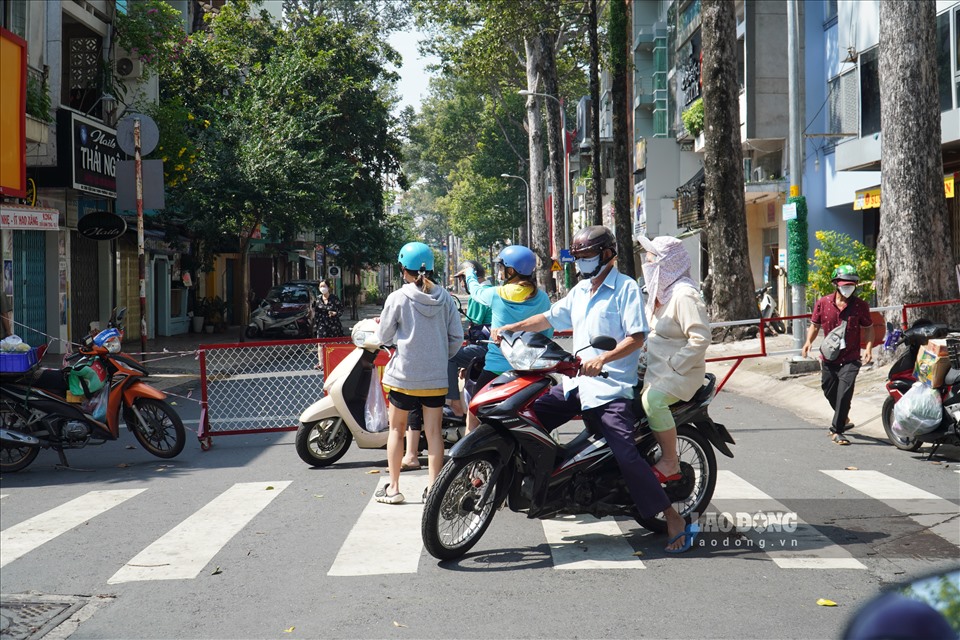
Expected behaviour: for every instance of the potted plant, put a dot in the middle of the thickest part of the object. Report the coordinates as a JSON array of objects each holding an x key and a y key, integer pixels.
[{"x": 200, "y": 312}]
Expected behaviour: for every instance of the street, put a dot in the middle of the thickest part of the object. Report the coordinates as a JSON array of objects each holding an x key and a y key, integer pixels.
[{"x": 245, "y": 541}]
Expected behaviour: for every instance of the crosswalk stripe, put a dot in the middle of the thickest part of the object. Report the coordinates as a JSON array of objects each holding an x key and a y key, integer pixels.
[
  {"x": 803, "y": 548},
  {"x": 572, "y": 538},
  {"x": 22, "y": 538},
  {"x": 185, "y": 550},
  {"x": 939, "y": 516},
  {"x": 3, "y": 495},
  {"x": 386, "y": 537}
]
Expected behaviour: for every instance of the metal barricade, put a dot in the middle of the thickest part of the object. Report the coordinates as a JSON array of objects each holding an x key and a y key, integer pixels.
[{"x": 258, "y": 387}]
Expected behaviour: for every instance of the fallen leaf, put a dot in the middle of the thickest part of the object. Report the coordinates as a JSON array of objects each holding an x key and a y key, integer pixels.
[
  {"x": 373, "y": 471},
  {"x": 935, "y": 462},
  {"x": 823, "y": 602},
  {"x": 639, "y": 554},
  {"x": 216, "y": 572},
  {"x": 161, "y": 468},
  {"x": 290, "y": 630},
  {"x": 852, "y": 468},
  {"x": 123, "y": 465},
  {"x": 269, "y": 488},
  {"x": 173, "y": 403},
  {"x": 130, "y": 446},
  {"x": 397, "y": 624},
  {"x": 317, "y": 495}
]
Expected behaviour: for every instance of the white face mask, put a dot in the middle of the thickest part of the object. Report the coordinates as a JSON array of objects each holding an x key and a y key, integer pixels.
[
  {"x": 847, "y": 290},
  {"x": 324, "y": 290},
  {"x": 588, "y": 266}
]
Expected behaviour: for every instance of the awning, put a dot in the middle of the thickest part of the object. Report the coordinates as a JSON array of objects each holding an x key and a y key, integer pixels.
[
  {"x": 870, "y": 198},
  {"x": 23, "y": 218}
]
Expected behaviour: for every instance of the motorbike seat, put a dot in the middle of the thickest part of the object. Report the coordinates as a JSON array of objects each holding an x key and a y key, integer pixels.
[{"x": 952, "y": 377}]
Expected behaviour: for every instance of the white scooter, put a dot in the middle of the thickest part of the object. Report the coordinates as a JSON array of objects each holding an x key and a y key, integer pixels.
[{"x": 328, "y": 426}]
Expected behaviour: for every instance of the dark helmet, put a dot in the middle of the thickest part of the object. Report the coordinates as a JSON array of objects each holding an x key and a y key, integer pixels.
[
  {"x": 595, "y": 237},
  {"x": 846, "y": 273},
  {"x": 476, "y": 266}
]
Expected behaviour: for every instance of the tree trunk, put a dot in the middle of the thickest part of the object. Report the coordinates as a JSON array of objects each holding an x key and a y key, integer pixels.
[
  {"x": 539, "y": 243},
  {"x": 555, "y": 145},
  {"x": 621, "y": 137},
  {"x": 914, "y": 246},
  {"x": 725, "y": 217},
  {"x": 595, "y": 215}
]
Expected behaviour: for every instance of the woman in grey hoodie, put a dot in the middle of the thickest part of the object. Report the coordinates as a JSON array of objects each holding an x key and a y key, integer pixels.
[{"x": 422, "y": 320}]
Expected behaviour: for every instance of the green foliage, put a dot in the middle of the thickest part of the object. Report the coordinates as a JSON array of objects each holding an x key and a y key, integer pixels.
[
  {"x": 835, "y": 249},
  {"x": 693, "y": 117},
  {"x": 153, "y": 30},
  {"x": 372, "y": 294},
  {"x": 38, "y": 99},
  {"x": 798, "y": 246},
  {"x": 940, "y": 592},
  {"x": 617, "y": 29}
]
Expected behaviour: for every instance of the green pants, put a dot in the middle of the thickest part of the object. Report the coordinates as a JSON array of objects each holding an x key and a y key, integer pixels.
[{"x": 656, "y": 404}]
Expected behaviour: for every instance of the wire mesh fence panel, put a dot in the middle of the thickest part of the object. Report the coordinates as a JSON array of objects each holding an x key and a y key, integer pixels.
[{"x": 256, "y": 387}]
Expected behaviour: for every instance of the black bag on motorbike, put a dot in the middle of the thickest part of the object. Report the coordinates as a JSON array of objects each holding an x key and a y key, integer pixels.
[{"x": 834, "y": 342}]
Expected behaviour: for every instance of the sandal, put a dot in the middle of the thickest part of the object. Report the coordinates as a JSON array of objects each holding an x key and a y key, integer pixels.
[
  {"x": 406, "y": 466},
  {"x": 839, "y": 439},
  {"x": 381, "y": 496},
  {"x": 662, "y": 479}
]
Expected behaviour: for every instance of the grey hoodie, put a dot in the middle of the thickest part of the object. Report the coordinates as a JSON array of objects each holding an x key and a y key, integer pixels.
[{"x": 427, "y": 331}]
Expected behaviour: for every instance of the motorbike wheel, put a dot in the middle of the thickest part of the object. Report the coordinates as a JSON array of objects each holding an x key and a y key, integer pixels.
[
  {"x": 15, "y": 457},
  {"x": 162, "y": 434},
  {"x": 699, "y": 465},
  {"x": 322, "y": 443},
  {"x": 252, "y": 332},
  {"x": 900, "y": 442},
  {"x": 777, "y": 323},
  {"x": 451, "y": 523}
]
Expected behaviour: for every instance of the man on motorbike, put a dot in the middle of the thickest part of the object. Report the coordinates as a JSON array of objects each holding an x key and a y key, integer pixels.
[
  {"x": 837, "y": 378},
  {"x": 606, "y": 302}
]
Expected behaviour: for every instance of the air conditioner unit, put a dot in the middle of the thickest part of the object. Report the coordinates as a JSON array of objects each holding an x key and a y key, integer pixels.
[{"x": 127, "y": 66}]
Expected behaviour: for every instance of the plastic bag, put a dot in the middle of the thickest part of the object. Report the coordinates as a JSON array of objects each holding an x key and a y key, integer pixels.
[
  {"x": 919, "y": 411},
  {"x": 375, "y": 411},
  {"x": 97, "y": 405},
  {"x": 13, "y": 344}
]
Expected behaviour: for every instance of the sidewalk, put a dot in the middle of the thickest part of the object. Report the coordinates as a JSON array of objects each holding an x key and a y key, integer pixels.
[{"x": 172, "y": 362}]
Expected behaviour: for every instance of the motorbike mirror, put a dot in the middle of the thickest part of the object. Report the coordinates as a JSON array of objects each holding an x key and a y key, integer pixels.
[
  {"x": 604, "y": 343},
  {"x": 923, "y": 608}
]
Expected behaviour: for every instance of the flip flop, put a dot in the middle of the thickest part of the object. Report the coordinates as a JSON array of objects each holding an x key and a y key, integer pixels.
[
  {"x": 691, "y": 531},
  {"x": 404, "y": 466},
  {"x": 839, "y": 439},
  {"x": 662, "y": 479}
]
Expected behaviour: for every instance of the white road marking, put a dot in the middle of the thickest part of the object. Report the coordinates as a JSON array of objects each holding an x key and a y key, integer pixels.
[
  {"x": 802, "y": 548},
  {"x": 22, "y": 538},
  {"x": 939, "y": 516},
  {"x": 386, "y": 537},
  {"x": 584, "y": 542},
  {"x": 3, "y": 495},
  {"x": 185, "y": 550}
]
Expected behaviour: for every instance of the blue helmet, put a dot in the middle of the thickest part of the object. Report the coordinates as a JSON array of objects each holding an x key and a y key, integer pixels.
[
  {"x": 415, "y": 256},
  {"x": 520, "y": 258}
]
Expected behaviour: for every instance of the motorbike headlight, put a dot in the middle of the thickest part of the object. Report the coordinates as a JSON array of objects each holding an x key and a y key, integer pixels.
[
  {"x": 526, "y": 358},
  {"x": 360, "y": 336},
  {"x": 113, "y": 345}
]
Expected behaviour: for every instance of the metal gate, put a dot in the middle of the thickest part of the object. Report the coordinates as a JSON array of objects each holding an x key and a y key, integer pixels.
[
  {"x": 84, "y": 284},
  {"x": 29, "y": 286}
]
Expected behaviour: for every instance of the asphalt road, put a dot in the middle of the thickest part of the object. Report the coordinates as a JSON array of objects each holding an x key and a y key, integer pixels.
[{"x": 245, "y": 541}]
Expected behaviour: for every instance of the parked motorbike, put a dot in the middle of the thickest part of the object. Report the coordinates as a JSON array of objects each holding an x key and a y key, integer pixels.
[
  {"x": 328, "y": 426},
  {"x": 511, "y": 458},
  {"x": 901, "y": 378},
  {"x": 768, "y": 309},
  {"x": 35, "y": 412}
]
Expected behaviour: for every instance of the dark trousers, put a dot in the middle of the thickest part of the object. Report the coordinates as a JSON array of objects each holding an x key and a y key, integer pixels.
[
  {"x": 837, "y": 382},
  {"x": 616, "y": 422}
]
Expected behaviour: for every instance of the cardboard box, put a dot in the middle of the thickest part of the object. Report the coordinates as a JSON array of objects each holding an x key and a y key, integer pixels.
[{"x": 933, "y": 362}]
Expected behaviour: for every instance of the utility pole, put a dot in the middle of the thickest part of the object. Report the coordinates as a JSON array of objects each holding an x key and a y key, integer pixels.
[
  {"x": 141, "y": 258},
  {"x": 797, "y": 272}
]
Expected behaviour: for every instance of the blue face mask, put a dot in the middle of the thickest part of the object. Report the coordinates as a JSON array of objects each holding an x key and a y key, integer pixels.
[{"x": 588, "y": 267}]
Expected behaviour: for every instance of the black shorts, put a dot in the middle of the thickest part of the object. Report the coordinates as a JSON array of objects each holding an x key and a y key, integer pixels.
[{"x": 408, "y": 402}]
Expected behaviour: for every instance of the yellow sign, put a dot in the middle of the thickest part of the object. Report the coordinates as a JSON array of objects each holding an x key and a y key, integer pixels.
[
  {"x": 556, "y": 266},
  {"x": 870, "y": 198},
  {"x": 13, "y": 73}
]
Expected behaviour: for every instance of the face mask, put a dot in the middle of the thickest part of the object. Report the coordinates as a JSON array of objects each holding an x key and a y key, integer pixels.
[
  {"x": 324, "y": 290},
  {"x": 847, "y": 290},
  {"x": 588, "y": 267}
]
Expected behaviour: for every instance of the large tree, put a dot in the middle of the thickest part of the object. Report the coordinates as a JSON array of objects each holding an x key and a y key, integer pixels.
[
  {"x": 724, "y": 213},
  {"x": 914, "y": 248},
  {"x": 618, "y": 34}
]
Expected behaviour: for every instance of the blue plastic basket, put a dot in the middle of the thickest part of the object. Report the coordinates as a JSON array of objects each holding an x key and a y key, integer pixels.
[{"x": 18, "y": 362}]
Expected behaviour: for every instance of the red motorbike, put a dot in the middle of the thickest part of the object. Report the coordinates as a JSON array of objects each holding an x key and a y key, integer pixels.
[
  {"x": 36, "y": 411},
  {"x": 512, "y": 458}
]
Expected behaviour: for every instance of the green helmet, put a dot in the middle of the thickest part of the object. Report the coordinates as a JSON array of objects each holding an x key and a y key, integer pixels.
[{"x": 846, "y": 273}]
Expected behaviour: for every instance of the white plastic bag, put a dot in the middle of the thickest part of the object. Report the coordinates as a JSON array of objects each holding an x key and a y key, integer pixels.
[
  {"x": 919, "y": 411},
  {"x": 97, "y": 405},
  {"x": 375, "y": 411}
]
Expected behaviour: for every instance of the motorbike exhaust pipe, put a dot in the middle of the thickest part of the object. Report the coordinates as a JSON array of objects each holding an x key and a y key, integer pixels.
[{"x": 16, "y": 437}]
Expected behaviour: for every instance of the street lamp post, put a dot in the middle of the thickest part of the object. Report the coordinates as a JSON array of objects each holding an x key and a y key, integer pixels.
[{"x": 527, "y": 184}]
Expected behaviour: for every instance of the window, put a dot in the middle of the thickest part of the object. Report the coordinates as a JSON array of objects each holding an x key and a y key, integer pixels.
[
  {"x": 741, "y": 63},
  {"x": 944, "y": 71},
  {"x": 869, "y": 93},
  {"x": 13, "y": 17},
  {"x": 829, "y": 10}
]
